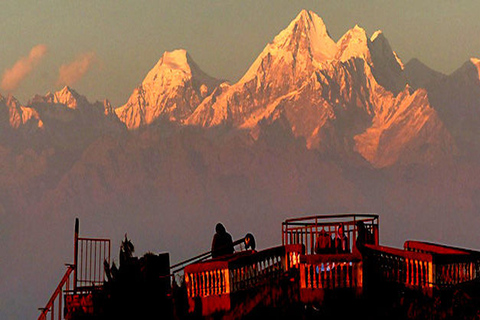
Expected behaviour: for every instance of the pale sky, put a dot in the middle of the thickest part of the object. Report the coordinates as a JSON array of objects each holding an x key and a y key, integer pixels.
[{"x": 115, "y": 43}]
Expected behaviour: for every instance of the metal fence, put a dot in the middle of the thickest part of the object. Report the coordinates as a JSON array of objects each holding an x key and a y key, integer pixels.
[{"x": 83, "y": 276}]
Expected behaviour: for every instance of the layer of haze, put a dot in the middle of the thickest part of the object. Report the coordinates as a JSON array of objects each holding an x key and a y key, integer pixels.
[{"x": 223, "y": 37}]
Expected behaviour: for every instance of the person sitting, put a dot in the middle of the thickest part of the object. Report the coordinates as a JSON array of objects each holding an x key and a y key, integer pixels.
[
  {"x": 222, "y": 243},
  {"x": 323, "y": 242},
  {"x": 341, "y": 240}
]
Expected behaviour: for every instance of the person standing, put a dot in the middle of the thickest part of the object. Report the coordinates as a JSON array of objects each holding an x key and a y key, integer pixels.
[
  {"x": 341, "y": 241},
  {"x": 222, "y": 243}
]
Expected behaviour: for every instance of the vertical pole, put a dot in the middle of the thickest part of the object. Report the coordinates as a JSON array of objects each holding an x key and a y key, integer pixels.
[
  {"x": 75, "y": 255},
  {"x": 94, "y": 279},
  {"x": 407, "y": 267},
  {"x": 60, "y": 305},
  {"x": 430, "y": 274},
  {"x": 312, "y": 241},
  {"x": 90, "y": 269}
]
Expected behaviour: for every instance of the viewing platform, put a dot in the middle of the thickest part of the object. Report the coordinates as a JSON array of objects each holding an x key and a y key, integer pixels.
[
  {"x": 320, "y": 261},
  {"x": 321, "y": 258}
]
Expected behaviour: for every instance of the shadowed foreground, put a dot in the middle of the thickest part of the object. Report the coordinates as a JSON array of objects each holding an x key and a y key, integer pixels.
[{"x": 327, "y": 266}]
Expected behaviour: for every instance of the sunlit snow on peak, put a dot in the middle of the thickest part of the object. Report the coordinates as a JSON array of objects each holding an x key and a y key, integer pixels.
[
  {"x": 176, "y": 59},
  {"x": 476, "y": 62},
  {"x": 353, "y": 44},
  {"x": 308, "y": 30},
  {"x": 376, "y": 34}
]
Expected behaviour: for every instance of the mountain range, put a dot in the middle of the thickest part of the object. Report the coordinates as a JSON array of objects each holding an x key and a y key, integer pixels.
[
  {"x": 353, "y": 97},
  {"x": 314, "y": 126}
]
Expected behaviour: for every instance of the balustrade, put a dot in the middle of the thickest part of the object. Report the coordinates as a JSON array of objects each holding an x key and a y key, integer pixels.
[
  {"x": 412, "y": 269},
  {"x": 307, "y": 230},
  {"x": 451, "y": 265},
  {"x": 240, "y": 272},
  {"x": 454, "y": 273},
  {"x": 330, "y": 272}
]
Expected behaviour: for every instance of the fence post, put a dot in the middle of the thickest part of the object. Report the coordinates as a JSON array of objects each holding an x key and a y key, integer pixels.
[
  {"x": 430, "y": 274},
  {"x": 227, "y": 280},
  {"x": 75, "y": 255},
  {"x": 302, "y": 276}
]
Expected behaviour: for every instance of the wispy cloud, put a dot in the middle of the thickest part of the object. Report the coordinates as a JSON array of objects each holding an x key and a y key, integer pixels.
[
  {"x": 14, "y": 76},
  {"x": 72, "y": 72}
]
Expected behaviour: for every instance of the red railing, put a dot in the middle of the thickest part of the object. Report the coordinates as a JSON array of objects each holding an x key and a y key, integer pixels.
[
  {"x": 83, "y": 276},
  {"x": 307, "y": 230},
  {"x": 414, "y": 270},
  {"x": 249, "y": 271},
  {"x": 452, "y": 265},
  {"x": 89, "y": 257},
  {"x": 331, "y": 271},
  {"x": 57, "y": 296},
  {"x": 91, "y": 254},
  {"x": 449, "y": 274},
  {"x": 426, "y": 247},
  {"x": 216, "y": 280},
  {"x": 423, "y": 266}
]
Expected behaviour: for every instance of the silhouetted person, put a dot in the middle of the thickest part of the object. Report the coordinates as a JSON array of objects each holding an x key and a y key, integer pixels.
[
  {"x": 361, "y": 235},
  {"x": 323, "y": 243},
  {"x": 222, "y": 243},
  {"x": 341, "y": 240}
]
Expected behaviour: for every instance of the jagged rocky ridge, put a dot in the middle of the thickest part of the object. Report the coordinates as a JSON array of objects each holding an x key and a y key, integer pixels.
[{"x": 351, "y": 97}]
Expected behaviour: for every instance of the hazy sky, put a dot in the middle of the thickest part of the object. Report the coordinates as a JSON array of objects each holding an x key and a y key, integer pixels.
[{"x": 104, "y": 48}]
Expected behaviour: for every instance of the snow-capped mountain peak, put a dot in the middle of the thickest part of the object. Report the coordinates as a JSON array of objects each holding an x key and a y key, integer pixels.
[
  {"x": 354, "y": 44},
  {"x": 172, "y": 89},
  {"x": 174, "y": 62},
  {"x": 307, "y": 31},
  {"x": 177, "y": 59},
  {"x": 304, "y": 44},
  {"x": 17, "y": 115},
  {"x": 68, "y": 97},
  {"x": 173, "y": 69},
  {"x": 376, "y": 51}
]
